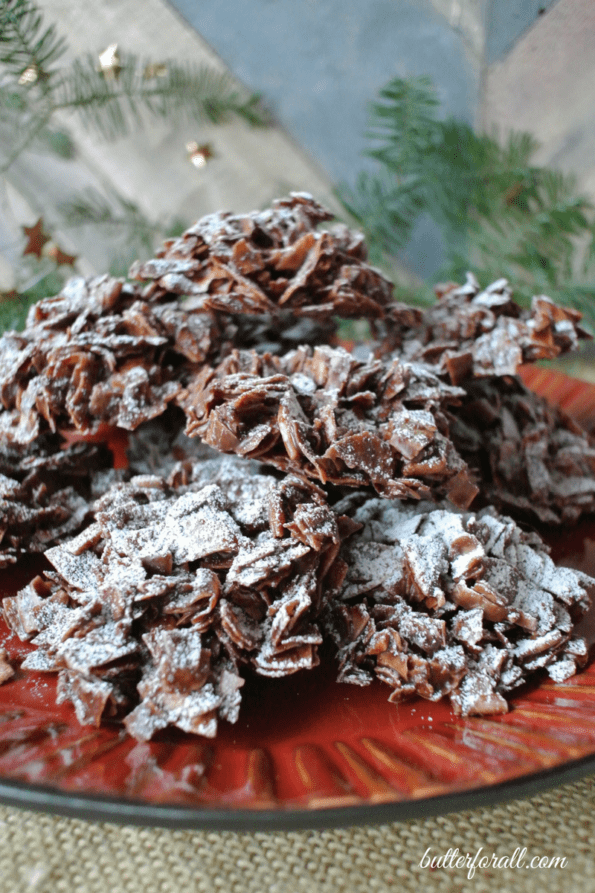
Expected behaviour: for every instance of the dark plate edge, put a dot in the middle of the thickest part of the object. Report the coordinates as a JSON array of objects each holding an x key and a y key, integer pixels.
[{"x": 97, "y": 808}]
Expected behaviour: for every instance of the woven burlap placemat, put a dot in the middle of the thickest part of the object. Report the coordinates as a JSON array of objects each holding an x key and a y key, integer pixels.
[{"x": 49, "y": 854}]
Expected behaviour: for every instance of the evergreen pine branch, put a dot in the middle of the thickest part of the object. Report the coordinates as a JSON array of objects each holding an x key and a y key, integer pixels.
[
  {"x": 539, "y": 239},
  {"x": 385, "y": 209},
  {"x": 137, "y": 235},
  {"x": 498, "y": 212},
  {"x": 13, "y": 313},
  {"x": 186, "y": 92},
  {"x": 31, "y": 131},
  {"x": 56, "y": 141},
  {"x": 587, "y": 268},
  {"x": 403, "y": 121},
  {"x": 112, "y": 103},
  {"x": 116, "y": 214},
  {"x": 12, "y": 104},
  {"x": 25, "y": 42}
]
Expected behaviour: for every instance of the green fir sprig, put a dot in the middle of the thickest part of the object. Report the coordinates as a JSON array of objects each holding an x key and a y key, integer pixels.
[
  {"x": 34, "y": 87},
  {"x": 122, "y": 219},
  {"x": 26, "y": 43},
  {"x": 39, "y": 91},
  {"x": 499, "y": 213},
  {"x": 184, "y": 92}
]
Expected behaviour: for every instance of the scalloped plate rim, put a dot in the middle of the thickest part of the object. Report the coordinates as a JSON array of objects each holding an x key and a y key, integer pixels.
[{"x": 122, "y": 810}]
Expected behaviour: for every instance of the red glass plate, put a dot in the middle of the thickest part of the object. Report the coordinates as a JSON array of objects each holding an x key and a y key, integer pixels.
[{"x": 306, "y": 752}]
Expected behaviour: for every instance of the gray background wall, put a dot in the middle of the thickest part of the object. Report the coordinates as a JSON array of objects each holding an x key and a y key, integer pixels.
[{"x": 319, "y": 63}]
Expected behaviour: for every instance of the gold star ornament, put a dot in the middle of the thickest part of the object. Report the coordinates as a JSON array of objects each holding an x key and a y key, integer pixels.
[
  {"x": 199, "y": 155},
  {"x": 155, "y": 70},
  {"x": 29, "y": 76},
  {"x": 110, "y": 64}
]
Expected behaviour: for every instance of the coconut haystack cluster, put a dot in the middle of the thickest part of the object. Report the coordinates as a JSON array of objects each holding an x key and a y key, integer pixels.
[{"x": 281, "y": 492}]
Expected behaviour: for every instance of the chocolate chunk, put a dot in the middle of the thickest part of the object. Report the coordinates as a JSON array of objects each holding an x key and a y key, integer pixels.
[{"x": 6, "y": 670}]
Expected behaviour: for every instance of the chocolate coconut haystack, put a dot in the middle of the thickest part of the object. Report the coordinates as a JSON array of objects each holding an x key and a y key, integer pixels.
[
  {"x": 190, "y": 569},
  {"x": 441, "y": 603},
  {"x": 326, "y": 415},
  {"x": 271, "y": 261},
  {"x": 173, "y": 588},
  {"x": 533, "y": 460},
  {"x": 473, "y": 332},
  {"x": 153, "y": 612},
  {"x": 97, "y": 354}
]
